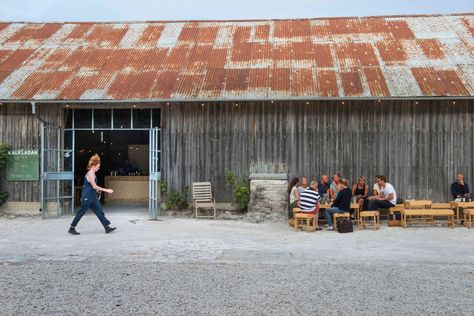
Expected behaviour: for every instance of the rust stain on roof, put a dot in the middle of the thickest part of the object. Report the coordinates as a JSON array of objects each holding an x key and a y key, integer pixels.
[
  {"x": 439, "y": 82},
  {"x": 432, "y": 48},
  {"x": 351, "y": 83},
  {"x": 151, "y": 35},
  {"x": 391, "y": 52},
  {"x": 327, "y": 83},
  {"x": 376, "y": 81},
  {"x": 15, "y": 59},
  {"x": 418, "y": 56}
]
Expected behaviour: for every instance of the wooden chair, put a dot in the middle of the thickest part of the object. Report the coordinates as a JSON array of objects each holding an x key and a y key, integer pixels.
[
  {"x": 202, "y": 198},
  {"x": 468, "y": 217},
  {"x": 336, "y": 215},
  {"x": 374, "y": 215}
]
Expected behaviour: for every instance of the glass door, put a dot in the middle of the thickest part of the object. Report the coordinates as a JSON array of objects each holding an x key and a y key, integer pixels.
[
  {"x": 154, "y": 174},
  {"x": 57, "y": 172}
]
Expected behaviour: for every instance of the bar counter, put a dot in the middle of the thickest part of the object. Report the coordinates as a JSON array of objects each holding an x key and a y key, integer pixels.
[{"x": 127, "y": 188}]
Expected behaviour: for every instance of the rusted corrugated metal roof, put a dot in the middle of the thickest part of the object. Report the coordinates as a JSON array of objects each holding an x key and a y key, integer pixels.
[{"x": 372, "y": 57}]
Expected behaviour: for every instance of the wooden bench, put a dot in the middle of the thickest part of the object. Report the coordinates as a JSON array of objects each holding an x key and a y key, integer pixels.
[{"x": 427, "y": 216}]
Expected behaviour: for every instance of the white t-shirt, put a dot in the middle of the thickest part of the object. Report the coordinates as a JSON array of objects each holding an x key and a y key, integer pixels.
[
  {"x": 387, "y": 189},
  {"x": 376, "y": 187}
]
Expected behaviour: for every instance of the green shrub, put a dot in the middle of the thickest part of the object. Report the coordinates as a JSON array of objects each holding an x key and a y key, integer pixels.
[
  {"x": 3, "y": 162},
  {"x": 177, "y": 200},
  {"x": 240, "y": 190}
]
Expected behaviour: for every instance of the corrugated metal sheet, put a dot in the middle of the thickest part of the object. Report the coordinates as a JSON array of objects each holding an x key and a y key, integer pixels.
[{"x": 373, "y": 57}]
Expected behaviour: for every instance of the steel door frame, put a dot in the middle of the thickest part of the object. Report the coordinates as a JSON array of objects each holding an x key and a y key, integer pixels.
[{"x": 58, "y": 174}]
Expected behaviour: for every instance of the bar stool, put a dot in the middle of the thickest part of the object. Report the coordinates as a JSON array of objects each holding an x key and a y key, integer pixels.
[
  {"x": 367, "y": 215},
  {"x": 310, "y": 220},
  {"x": 468, "y": 217}
]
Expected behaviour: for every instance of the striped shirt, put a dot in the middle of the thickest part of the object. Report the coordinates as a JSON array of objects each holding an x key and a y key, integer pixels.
[{"x": 308, "y": 200}]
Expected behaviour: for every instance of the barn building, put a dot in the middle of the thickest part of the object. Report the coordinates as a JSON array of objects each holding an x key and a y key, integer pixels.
[{"x": 188, "y": 101}]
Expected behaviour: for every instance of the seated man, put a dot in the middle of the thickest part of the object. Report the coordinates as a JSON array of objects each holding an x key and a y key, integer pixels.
[
  {"x": 460, "y": 189},
  {"x": 342, "y": 203},
  {"x": 334, "y": 187},
  {"x": 387, "y": 197},
  {"x": 309, "y": 200},
  {"x": 323, "y": 186}
]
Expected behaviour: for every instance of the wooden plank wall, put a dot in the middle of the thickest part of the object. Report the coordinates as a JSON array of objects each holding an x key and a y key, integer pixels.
[
  {"x": 419, "y": 147},
  {"x": 21, "y": 130}
]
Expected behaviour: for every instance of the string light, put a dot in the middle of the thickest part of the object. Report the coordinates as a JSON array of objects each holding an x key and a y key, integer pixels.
[
  {"x": 454, "y": 102},
  {"x": 342, "y": 102}
]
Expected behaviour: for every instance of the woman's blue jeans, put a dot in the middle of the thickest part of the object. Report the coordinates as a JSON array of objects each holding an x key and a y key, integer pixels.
[{"x": 330, "y": 211}]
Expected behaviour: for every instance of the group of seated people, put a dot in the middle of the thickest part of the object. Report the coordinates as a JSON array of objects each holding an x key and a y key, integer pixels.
[{"x": 340, "y": 195}]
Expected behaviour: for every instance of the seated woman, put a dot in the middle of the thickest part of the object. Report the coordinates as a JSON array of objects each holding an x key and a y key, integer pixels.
[
  {"x": 342, "y": 203},
  {"x": 360, "y": 190},
  {"x": 294, "y": 196},
  {"x": 334, "y": 187}
]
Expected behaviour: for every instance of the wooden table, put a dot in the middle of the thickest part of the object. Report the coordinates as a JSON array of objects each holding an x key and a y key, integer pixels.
[{"x": 458, "y": 205}]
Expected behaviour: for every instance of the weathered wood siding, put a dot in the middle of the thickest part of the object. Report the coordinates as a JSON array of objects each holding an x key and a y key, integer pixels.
[
  {"x": 419, "y": 147},
  {"x": 21, "y": 130}
]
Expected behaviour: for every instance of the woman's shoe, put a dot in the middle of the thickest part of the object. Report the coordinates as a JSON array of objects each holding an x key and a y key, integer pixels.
[
  {"x": 73, "y": 231},
  {"x": 109, "y": 229}
]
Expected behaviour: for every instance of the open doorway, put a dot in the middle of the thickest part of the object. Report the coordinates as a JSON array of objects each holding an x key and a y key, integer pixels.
[
  {"x": 124, "y": 163},
  {"x": 128, "y": 142}
]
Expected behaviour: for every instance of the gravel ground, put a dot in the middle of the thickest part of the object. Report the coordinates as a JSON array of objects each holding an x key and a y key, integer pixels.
[
  {"x": 98, "y": 287},
  {"x": 206, "y": 267}
]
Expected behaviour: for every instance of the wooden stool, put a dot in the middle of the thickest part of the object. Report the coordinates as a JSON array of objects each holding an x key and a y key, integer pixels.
[
  {"x": 468, "y": 217},
  {"x": 310, "y": 219},
  {"x": 336, "y": 215},
  {"x": 370, "y": 215}
]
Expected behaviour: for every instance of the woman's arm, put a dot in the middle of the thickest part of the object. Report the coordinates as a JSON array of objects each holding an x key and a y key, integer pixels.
[
  {"x": 94, "y": 185},
  {"x": 366, "y": 191},
  {"x": 297, "y": 193}
]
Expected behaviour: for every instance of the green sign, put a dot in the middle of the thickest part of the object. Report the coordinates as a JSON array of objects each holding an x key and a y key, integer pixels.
[{"x": 23, "y": 165}]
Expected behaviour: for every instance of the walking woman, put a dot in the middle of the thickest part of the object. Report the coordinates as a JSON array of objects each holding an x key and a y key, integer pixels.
[{"x": 89, "y": 197}]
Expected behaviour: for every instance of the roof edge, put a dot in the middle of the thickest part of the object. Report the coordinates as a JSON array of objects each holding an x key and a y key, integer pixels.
[
  {"x": 250, "y": 20},
  {"x": 131, "y": 101}
]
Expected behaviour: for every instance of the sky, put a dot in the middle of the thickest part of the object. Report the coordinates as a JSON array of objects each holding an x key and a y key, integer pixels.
[{"x": 147, "y": 10}]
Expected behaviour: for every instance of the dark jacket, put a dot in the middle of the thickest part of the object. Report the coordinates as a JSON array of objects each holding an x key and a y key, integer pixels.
[
  {"x": 323, "y": 188},
  {"x": 343, "y": 200},
  {"x": 457, "y": 189}
]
